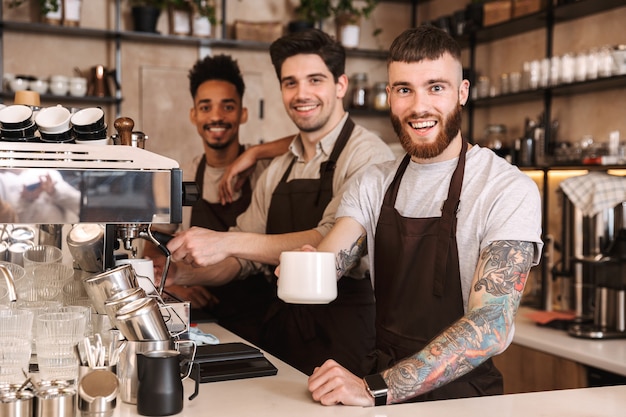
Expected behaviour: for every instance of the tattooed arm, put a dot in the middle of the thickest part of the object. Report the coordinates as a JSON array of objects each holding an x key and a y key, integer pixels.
[
  {"x": 496, "y": 291},
  {"x": 347, "y": 239}
]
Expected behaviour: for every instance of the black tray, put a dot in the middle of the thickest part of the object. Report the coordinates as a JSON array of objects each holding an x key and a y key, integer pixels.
[{"x": 229, "y": 361}]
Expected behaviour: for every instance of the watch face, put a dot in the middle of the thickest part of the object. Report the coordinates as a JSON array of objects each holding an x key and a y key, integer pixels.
[{"x": 376, "y": 385}]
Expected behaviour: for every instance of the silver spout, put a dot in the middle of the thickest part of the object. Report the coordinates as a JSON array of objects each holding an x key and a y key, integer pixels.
[{"x": 8, "y": 278}]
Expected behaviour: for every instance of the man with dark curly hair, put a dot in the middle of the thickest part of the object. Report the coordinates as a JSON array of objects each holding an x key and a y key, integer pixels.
[{"x": 217, "y": 87}]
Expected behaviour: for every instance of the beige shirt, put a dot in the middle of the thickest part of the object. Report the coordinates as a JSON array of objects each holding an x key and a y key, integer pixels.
[
  {"x": 212, "y": 177},
  {"x": 363, "y": 149}
]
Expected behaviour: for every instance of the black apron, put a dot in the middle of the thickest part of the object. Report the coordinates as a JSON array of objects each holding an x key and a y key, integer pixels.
[
  {"x": 305, "y": 336},
  {"x": 242, "y": 303},
  {"x": 418, "y": 286}
]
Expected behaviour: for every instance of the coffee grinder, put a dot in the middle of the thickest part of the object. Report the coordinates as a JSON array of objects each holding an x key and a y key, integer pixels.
[{"x": 593, "y": 275}]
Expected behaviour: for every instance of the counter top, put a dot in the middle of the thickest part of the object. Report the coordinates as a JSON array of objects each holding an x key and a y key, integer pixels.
[
  {"x": 606, "y": 354},
  {"x": 286, "y": 394}
]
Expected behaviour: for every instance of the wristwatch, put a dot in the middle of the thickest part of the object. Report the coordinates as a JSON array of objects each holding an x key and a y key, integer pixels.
[{"x": 377, "y": 387}]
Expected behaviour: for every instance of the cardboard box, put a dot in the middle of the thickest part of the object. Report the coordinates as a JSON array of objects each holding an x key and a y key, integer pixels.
[
  {"x": 524, "y": 7},
  {"x": 258, "y": 31},
  {"x": 495, "y": 12}
]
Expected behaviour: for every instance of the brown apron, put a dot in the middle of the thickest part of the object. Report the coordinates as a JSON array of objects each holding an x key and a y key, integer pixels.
[
  {"x": 242, "y": 303},
  {"x": 418, "y": 286},
  {"x": 306, "y": 335},
  {"x": 216, "y": 216}
]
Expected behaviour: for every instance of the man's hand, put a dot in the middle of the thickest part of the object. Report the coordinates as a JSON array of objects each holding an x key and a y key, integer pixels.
[
  {"x": 177, "y": 274},
  {"x": 235, "y": 176},
  {"x": 199, "y": 247},
  {"x": 333, "y": 384}
]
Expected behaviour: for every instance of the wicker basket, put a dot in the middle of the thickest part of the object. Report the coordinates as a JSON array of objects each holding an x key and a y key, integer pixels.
[{"x": 258, "y": 31}]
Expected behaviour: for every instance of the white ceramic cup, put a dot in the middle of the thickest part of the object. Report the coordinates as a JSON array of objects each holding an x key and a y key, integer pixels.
[
  {"x": 39, "y": 86},
  {"x": 18, "y": 84},
  {"x": 53, "y": 119},
  {"x": 78, "y": 86},
  {"x": 59, "y": 85},
  {"x": 307, "y": 277},
  {"x": 144, "y": 269}
]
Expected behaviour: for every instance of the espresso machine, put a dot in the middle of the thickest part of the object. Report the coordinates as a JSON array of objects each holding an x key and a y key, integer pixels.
[{"x": 121, "y": 189}]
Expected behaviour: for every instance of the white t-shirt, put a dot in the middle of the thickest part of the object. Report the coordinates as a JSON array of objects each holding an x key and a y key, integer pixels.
[{"x": 498, "y": 202}]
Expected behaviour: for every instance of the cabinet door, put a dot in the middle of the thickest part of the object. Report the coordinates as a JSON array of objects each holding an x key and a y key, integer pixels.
[{"x": 529, "y": 370}]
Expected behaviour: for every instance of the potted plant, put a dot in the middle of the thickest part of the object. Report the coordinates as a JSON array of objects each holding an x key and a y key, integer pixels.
[
  {"x": 348, "y": 15},
  {"x": 145, "y": 14},
  {"x": 309, "y": 13},
  {"x": 204, "y": 17},
  {"x": 50, "y": 10}
]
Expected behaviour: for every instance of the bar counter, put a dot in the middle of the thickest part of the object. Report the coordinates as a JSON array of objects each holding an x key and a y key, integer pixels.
[
  {"x": 286, "y": 394},
  {"x": 606, "y": 354}
]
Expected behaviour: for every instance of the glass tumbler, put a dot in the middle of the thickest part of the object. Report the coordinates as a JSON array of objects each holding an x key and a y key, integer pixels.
[
  {"x": 49, "y": 280},
  {"x": 40, "y": 255},
  {"x": 56, "y": 338}
]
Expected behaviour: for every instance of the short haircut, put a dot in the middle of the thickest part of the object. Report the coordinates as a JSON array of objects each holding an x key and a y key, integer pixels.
[
  {"x": 219, "y": 67},
  {"x": 423, "y": 42},
  {"x": 311, "y": 41}
]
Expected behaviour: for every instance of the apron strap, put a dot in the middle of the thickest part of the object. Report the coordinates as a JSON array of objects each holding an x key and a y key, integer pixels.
[
  {"x": 447, "y": 222},
  {"x": 328, "y": 167}
]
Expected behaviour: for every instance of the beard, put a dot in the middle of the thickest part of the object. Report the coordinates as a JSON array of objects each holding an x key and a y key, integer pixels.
[{"x": 451, "y": 127}]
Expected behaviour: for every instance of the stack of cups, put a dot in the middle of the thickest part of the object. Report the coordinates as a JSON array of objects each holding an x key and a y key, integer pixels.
[
  {"x": 36, "y": 308},
  {"x": 45, "y": 274},
  {"x": 89, "y": 126},
  {"x": 54, "y": 124},
  {"x": 17, "y": 124},
  {"x": 56, "y": 337},
  {"x": 15, "y": 344}
]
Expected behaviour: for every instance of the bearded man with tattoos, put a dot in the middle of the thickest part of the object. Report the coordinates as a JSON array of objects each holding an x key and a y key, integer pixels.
[{"x": 451, "y": 230}]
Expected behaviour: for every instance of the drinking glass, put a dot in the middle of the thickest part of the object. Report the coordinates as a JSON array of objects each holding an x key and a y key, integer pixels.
[
  {"x": 36, "y": 308},
  {"x": 14, "y": 358},
  {"x": 41, "y": 254},
  {"x": 73, "y": 293},
  {"x": 56, "y": 338},
  {"x": 84, "y": 310},
  {"x": 49, "y": 280},
  {"x": 15, "y": 323},
  {"x": 18, "y": 273}
]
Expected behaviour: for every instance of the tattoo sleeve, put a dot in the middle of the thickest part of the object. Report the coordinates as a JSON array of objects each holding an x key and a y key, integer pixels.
[
  {"x": 347, "y": 259},
  {"x": 497, "y": 288}
]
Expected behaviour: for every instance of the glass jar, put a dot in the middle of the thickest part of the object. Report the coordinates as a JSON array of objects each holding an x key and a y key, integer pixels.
[
  {"x": 380, "y": 96},
  {"x": 360, "y": 91}
]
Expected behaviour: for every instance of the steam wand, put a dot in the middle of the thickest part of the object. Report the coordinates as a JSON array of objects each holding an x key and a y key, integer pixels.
[{"x": 127, "y": 232}]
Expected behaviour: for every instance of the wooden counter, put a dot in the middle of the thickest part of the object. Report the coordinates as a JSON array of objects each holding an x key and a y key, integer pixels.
[{"x": 609, "y": 354}]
